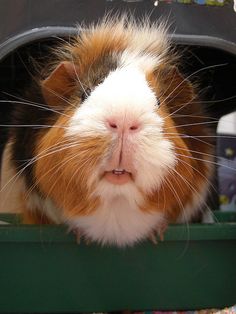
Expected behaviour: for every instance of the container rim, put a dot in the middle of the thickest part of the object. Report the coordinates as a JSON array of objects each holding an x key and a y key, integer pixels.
[
  {"x": 223, "y": 228},
  {"x": 17, "y": 233},
  {"x": 34, "y": 34}
]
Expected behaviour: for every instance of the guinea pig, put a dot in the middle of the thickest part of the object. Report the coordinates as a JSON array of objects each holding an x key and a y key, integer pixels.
[{"x": 110, "y": 139}]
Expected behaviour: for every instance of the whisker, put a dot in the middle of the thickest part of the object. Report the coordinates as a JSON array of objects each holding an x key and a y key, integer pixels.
[
  {"x": 195, "y": 96},
  {"x": 196, "y": 116},
  {"x": 168, "y": 88},
  {"x": 195, "y": 72},
  {"x": 206, "y": 161},
  {"x": 79, "y": 167},
  {"x": 190, "y": 124},
  {"x": 177, "y": 135},
  {"x": 175, "y": 194},
  {"x": 29, "y": 163},
  {"x": 33, "y": 104},
  {"x": 74, "y": 66},
  {"x": 196, "y": 152},
  {"x": 77, "y": 76},
  {"x": 192, "y": 188},
  {"x": 177, "y": 106},
  {"x": 38, "y": 126},
  {"x": 61, "y": 164},
  {"x": 214, "y": 101},
  {"x": 49, "y": 89},
  {"x": 180, "y": 108},
  {"x": 194, "y": 191},
  {"x": 13, "y": 179},
  {"x": 196, "y": 138},
  {"x": 199, "y": 172}
]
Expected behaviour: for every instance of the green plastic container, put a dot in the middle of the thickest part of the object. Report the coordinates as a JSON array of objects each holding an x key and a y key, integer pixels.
[{"x": 43, "y": 270}]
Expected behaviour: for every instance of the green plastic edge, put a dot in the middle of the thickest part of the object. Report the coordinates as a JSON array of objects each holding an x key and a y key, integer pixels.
[
  {"x": 208, "y": 260},
  {"x": 54, "y": 233}
]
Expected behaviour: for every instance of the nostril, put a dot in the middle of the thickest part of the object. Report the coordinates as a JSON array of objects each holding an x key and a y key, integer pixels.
[
  {"x": 112, "y": 125},
  {"x": 122, "y": 126},
  {"x": 134, "y": 127}
]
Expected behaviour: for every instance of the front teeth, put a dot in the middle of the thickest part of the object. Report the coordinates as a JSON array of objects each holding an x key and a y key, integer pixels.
[{"x": 118, "y": 171}]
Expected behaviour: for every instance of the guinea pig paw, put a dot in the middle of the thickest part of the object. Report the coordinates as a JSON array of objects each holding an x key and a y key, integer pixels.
[
  {"x": 153, "y": 237},
  {"x": 161, "y": 230},
  {"x": 77, "y": 235},
  {"x": 87, "y": 241}
]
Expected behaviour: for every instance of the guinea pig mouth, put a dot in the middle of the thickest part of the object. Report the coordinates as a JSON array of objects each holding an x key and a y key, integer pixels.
[
  {"x": 119, "y": 171},
  {"x": 118, "y": 176}
]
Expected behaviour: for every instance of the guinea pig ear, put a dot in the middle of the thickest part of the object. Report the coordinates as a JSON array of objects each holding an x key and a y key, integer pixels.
[{"x": 59, "y": 85}]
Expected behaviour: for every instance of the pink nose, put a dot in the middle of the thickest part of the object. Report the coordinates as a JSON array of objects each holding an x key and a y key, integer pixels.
[{"x": 119, "y": 126}]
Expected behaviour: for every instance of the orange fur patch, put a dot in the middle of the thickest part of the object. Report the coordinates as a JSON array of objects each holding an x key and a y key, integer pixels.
[
  {"x": 181, "y": 117},
  {"x": 63, "y": 175}
]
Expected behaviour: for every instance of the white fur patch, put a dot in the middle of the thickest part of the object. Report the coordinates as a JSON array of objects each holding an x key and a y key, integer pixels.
[
  {"x": 144, "y": 62},
  {"x": 45, "y": 206},
  {"x": 118, "y": 222},
  {"x": 14, "y": 196},
  {"x": 125, "y": 94}
]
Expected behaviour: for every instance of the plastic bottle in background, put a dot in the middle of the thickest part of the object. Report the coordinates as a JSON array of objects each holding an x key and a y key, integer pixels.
[{"x": 226, "y": 146}]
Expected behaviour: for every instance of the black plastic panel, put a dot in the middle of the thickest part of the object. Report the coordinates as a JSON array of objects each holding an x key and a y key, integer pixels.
[{"x": 205, "y": 25}]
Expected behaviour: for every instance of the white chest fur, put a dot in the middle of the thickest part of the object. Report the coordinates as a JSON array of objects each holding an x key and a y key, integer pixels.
[{"x": 118, "y": 223}]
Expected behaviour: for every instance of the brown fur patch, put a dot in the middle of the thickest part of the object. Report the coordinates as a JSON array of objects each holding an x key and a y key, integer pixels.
[
  {"x": 60, "y": 84},
  {"x": 31, "y": 215},
  {"x": 63, "y": 175},
  {"x": 35, "y": 217},
  {"x": 184, "y": 126}
]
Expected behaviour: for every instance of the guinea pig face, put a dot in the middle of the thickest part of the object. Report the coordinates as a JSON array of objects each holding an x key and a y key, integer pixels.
[
  {"x": 124, "y": 110},
  {"x": 120, "y": 163}
]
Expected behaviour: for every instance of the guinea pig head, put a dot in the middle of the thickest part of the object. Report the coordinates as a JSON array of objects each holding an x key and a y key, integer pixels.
[{"x": 115, "y": 146}]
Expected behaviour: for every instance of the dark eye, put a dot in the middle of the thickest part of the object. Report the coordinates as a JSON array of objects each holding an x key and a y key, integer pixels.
[
  {"x": 85, "y": 94},
  {"x": 157, "y": 104}
]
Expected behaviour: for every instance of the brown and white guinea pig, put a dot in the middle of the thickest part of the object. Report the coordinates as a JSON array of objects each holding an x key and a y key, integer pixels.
[{"x": 115, "y": 150}]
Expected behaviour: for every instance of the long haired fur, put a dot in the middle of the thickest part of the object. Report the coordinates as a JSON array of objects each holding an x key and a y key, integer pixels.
[{"x": 116, "y": 74}]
